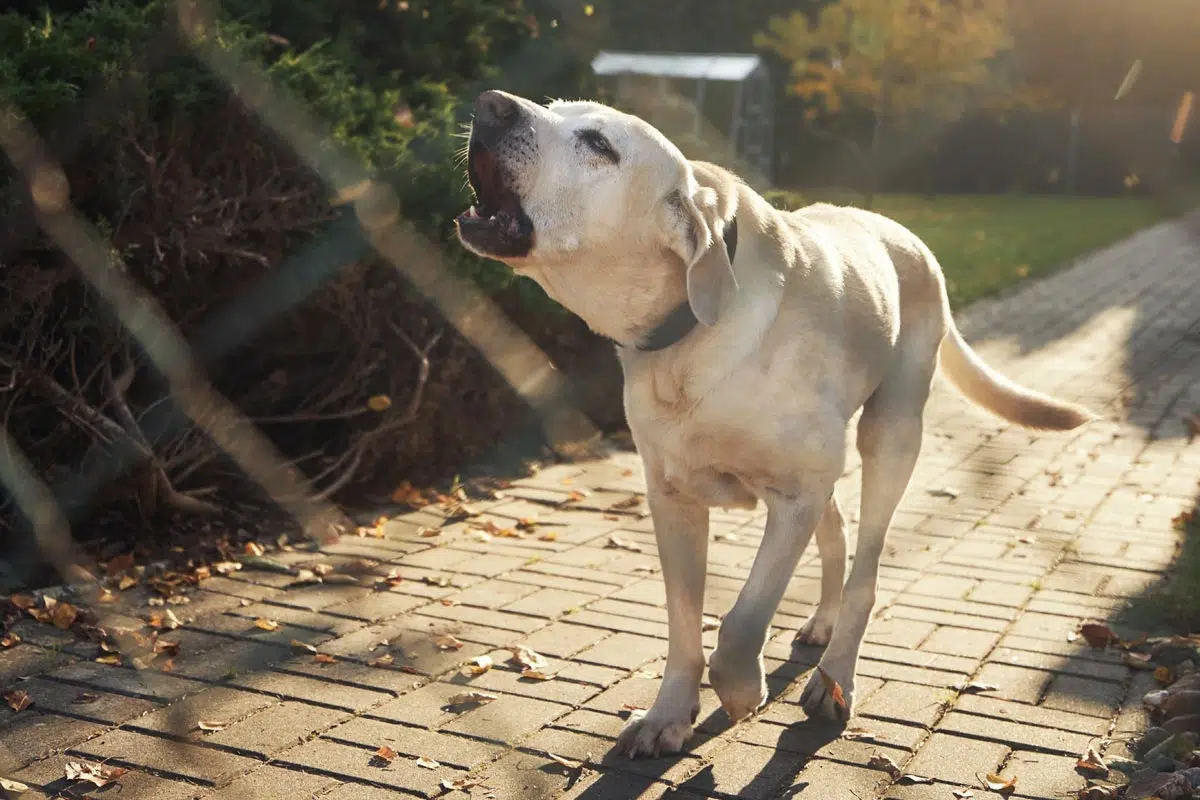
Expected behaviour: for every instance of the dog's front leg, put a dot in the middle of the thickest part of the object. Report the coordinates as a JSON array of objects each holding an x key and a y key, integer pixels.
[
  {"x": 735, "y": 668},
  {"x": 681, "y": 530}
]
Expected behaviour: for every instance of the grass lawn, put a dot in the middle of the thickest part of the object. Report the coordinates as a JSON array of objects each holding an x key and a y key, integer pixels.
[{"x": 988, "y": 243}]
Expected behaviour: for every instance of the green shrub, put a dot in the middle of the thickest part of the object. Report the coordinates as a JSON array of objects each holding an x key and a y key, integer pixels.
[{"x": 785, "y": 200}]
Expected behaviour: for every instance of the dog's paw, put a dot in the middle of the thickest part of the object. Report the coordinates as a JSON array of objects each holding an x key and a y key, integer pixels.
[
  {"x": 816, "y": 631},
  {"x": 740, "y": 683},
  {"x": 828, "y": 695},
  {"x": 654, "y": 733}
]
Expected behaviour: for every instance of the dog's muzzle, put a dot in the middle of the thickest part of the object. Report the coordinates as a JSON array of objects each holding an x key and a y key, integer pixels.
[{"x": 496, "y": 225}]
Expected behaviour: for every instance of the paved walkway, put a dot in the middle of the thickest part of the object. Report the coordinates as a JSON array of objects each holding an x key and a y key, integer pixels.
[{"x": 1006, "y": 541}]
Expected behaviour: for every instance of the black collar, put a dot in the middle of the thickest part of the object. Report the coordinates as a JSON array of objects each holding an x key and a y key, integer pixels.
[{"x": 679, "y": 323}]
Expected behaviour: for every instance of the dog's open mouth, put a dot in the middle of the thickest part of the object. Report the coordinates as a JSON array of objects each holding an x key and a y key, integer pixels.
[{"x": 496, "y": 225}]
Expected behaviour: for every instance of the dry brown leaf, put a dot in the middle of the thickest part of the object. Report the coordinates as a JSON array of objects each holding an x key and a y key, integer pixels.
[
  {"x": 105, "y": 596},
  {"x": 527, "y": 658},
  {"x": 549, "y": 536},
  {"x": 1092, "y": 762},
  {"x": 462, "y": 784},
  {"x": 908, "y": 779},
  {"x": 535, "y": 675},
  {"x": 22, "y": 601},
  {"x": 1163, "y": 675},
  {"x": 212, "y": 727},
  {"x": 254, "y": 549},
  {"x": 118, "y": 564},
  {"x": 379, "y": 402},
  {"x": 855, "y": 733},
  {"x": 447, "y": 642},
  {"x": 970, "y": 687},
  {"x": 833, "y": 687},
  {"x": 477, "y": 665},
  {"x": 649, "y": 570},
  {"x": 616, "y": 542},
  {"x": 8, "y": 640},
  {"x": 629, "y": 502},
  {"x": 126, "y": 582},
  {"x": 470, "y": 698},
  {"x": 324, "y": 658},
  {"x": 999, "y": 784},
  {"x": 427, "y": 763},
  {"x": 226, "y": 567},
  {"x": 568, "y": 763},
  {"x": 64, "y": 615},
  {"x": 880, "y": 761},
  {"x": 1138, "y": 661},
  {"x": 17, "y": 699},
  {"x": 385, "y": 660},
  {"x": 83, "y": 698},
  {"x": 962, "y": 794},
  {"x": 95, "y": 774},
  {"x": 266, "y": 624},
  {"x": 385, "y": 753},
  {"x": 169, "y": 649},
  {"x": 14, "y": 788},
  {"x": 1098, "y": 634},
  {"x": 112, "y": 659},
  {"x": 725, "y": 537},
  {"x": 299, "y": 645}
]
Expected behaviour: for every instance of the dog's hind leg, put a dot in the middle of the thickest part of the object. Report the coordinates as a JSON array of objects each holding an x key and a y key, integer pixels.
[
  {"x": 831, "y": 541},
  {"x": 889, "y": 440}
]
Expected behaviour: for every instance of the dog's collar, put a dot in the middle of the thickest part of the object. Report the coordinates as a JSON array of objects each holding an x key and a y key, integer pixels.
[{"x": 679, "y": 323}]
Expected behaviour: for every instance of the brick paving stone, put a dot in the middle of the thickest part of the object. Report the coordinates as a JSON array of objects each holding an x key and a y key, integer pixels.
[
  {"x": 278, "y": 728},
  {"x": 814, "y": 740},
  {"x": 1014, "y": 683},
  {"x": 91, "y": 704},
  {"x": 907, "y": 701},
  {"x": 744, "y": 770},
  {"x": 830, "y": 780},
  {"x": 219, "y": 704},
  {"x": 563, "y": 639},
  {"x": 624, "y": 651},
  {"x": 1043, "y": 776},
  {"x": 956, "y": 759},
  {"x": 494, "y": 593},
  {"x": 899, "y": 632},
  {"x": 507, "y": 718},
  {"x": 550, "y": 603},
  {"x": 148, "y": 684},
  {"x": 511, "y": 682},
  {"x": 30, "y": 735},
  {"x": 201, "y": 764},
  {"x": 1095, "y": 664},
  {"x": 27, "y": 659},
  {"x": 960, "y": 641},
  {"x": 457, "y": 751},
  {"x": 357, "y": 762},
  {"x": 311, "y": 690},
  {"x": 1014, "y": 734},
  {"x": 1084, "y": 696},
  {"x": 1042, "y": 716},
  {"x": 273, "y": 783}
]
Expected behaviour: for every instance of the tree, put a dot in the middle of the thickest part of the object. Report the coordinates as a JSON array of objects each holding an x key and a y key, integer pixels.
[{"x": 893, "y": 59}]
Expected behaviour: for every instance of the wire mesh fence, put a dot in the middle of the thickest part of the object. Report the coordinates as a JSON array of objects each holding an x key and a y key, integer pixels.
[{"x": 189, "y": 408}]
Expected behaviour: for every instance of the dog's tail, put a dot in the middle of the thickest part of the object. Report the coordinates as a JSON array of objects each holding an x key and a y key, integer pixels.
[{"x": 989, "y": 389}]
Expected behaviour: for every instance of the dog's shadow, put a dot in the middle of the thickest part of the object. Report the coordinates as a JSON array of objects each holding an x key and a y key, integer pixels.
[{"x": 796, "y": 745}]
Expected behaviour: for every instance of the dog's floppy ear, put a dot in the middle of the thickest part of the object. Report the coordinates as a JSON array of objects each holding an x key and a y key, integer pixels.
[{"x": 696, "y": 235}]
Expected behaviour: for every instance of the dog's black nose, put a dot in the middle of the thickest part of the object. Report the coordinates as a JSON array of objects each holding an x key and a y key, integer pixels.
[{"x": 496, "y": 110}]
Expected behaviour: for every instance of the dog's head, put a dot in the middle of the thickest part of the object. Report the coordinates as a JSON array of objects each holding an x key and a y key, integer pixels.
[{"x": 587, "y": 199}]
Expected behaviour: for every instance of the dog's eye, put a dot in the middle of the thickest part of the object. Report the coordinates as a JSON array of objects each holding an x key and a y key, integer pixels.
[{"x": 599, "y": 145}]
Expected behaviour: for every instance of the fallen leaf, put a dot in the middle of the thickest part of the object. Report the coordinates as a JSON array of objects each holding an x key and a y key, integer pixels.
[
  {"x": 462, "y": 784},
  {"x": 385, "y": 753},
  {"x": 535, "y": 675},
  {"x": 385, "y": 660},
  {"x": 908, "y": 779},
  {"x": 447, "y": 642},
  {"x": 880, "y": 761},
  {"x": 95, "y": 774},
  {"x": 946, "y": 491},
  {"x": 470, "y": 698},
  {"x": 568, "y": 763},
  {"x": 1092, "y": 762},
  {"x": 440, "y": 581},
  {"x": 709, "y": 623},
  {"x": 629, "y": 502},
  {"x": 725, "y": 537},
  {"x": 113, "y": 660},
  {"x": 126, "y": 582},
  {"x": 9, "y": 639},
  {"x": 169, "y": 621},
  {"x": 226, "y": 567},
  {"x": 528, "y": 659},
  {"x": 266, "y": 624},
  {"x": 14, "y": 788},
  {"x": 22, "y": 601},
  {"x": 962, "y": 794},
  {"x": 169, "y": 649},
  {"x": 477, "y": 665},
  {"x": 118, "y": 564},
  {"x": 1138, "y": 661},
  {"x": 324, "y": 658},
  {"x": 299, "y": 645},
  {"x": 379, "y": 402},
  {"x": 1192, "y": 421},
  {"x": 833, "y": 687},
  {"x": 647, "y": 569},
  {"x": 854, "y": 733},
  {"x": 970, "y": 687},
  {"x": 212, "y": 727},
  {"x": 1163, "y": 675},
  {"x": 83, "y": 698},
  {"x": 427, "y": 763},
  {"x": 1098, "y": 635},
  {"x": 17, "y": 699},
  {"x": 999, "y": 784},
  {"x": 254, "y": 549},
  {"x": 64, "y": 615},
  {"x": 549, "y": 536},
  {"x": 105, "y": 596},
  {"x": 616, "y": 542}
]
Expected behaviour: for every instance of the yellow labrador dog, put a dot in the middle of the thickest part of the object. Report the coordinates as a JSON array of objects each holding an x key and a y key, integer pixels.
[{"x": 748, "y": 338}]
